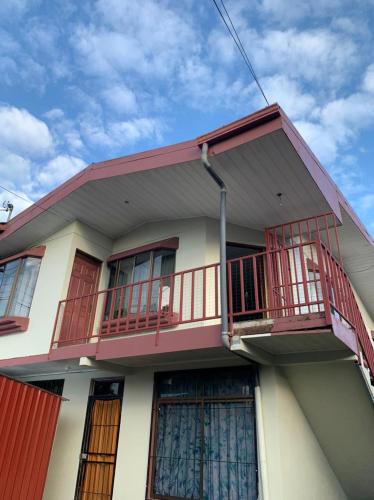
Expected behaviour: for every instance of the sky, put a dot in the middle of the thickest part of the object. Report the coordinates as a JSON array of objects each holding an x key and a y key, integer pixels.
[{"x": 86, "y": 81}]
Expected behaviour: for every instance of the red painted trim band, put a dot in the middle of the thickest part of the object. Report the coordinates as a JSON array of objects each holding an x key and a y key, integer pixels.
[
  {"x": 31, "y": 252},
  {"x": 171, "y": 243},
  {"x": 13, "y": 324}
]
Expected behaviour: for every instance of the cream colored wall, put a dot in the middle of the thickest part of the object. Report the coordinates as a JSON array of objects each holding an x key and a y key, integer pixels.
[
  {"x": 191, "y": 234},
  {"x": 368, "y": 320},
  {"x": 52, "y": 285},
  {"x": 297, "y": 466},
  {"x": 133, "y": 445}
]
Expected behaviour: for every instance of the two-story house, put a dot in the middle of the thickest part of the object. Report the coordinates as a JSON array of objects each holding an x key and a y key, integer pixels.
[{"x": 110, "y": 294}]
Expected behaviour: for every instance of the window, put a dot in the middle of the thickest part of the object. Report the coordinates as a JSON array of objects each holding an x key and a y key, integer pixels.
[
  {"x": 204, "y": 443},
  {"x": 55, "y": 386},
  {"x": 138, "y": 268},
  {"x": 17, "y": 284}
]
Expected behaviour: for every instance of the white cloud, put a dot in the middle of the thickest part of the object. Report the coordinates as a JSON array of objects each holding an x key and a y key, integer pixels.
[
  {"x": 120, "y": 99},
  {"x": 284, "y": 12},
  {"x": 15, "y": 8},
  {"x": 14, "y": 168},
  {"x": 59, "y": 169},
  {"x": 21, "y": 132},
  {"x": 54, "y": 114},
  {"x": 337, "y": 124},
  {"x": 147, "y": 38},
  {"x": 317, "y": 56},
  {"x": 288, "y": 93},
  {"x": 368, "y": 81},
  {"x": 131, "y": 131},
  {"x": 20, "y": 202}
]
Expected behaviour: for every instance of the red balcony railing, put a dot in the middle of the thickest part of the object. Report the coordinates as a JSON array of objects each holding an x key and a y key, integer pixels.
[{"x": 296, "y": 275}]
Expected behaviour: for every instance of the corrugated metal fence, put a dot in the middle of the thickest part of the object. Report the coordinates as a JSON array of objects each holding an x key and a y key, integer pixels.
[{"x": 28, "y": 420}]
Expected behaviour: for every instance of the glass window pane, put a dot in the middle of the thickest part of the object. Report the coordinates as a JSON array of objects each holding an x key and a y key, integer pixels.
[
  {"x": 112, "y": 274},
  {"x": 179, "y": 385},
  {"x": 163, "y": 265},
  {"x": 7, "y": 277},
  {"x": 125, "y": 267},
  {"x": 163, "y": 262},
  {"x": 142, "y": 267},
  {"x": 237, "y": 382},
  {"x": 140, "y": 292},
  {"x": 21, "y": 302}
]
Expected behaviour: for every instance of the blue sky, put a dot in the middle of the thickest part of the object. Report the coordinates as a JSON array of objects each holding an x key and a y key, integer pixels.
[{"x": 90, "y": 80}]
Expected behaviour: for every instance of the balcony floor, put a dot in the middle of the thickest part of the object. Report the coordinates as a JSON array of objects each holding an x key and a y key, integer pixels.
[{"x": 300, "y": 337}]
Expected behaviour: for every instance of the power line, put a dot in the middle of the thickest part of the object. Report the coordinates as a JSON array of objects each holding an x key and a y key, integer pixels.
[
  {"x": 239, "y": 45},
  {"x": 36, "y": 204}
]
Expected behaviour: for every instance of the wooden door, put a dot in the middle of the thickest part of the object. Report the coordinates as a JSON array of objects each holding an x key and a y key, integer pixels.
[{"x": 79, "y": 313}]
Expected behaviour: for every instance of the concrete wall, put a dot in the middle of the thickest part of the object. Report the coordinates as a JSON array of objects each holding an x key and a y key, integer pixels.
[{"x": 297, "y": 466}]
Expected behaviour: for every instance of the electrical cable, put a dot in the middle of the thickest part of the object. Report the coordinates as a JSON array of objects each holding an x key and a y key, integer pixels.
[
  {"x": 36, "y": 204},
  {"x": 239, "y": 45}
]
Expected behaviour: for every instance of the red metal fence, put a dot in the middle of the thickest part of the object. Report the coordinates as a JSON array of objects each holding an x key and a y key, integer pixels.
[
  {"x": 297, "y": 274},
  {"x": 28, "y": 419}
]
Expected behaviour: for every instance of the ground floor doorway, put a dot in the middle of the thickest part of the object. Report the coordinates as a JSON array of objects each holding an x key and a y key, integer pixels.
[
  {"x": 203, "y": 436},
  {"x": 99, "y": 447}
]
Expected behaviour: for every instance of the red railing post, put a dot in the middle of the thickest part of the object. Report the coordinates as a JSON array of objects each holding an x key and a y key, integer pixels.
[{"x": 322, "y": 266}]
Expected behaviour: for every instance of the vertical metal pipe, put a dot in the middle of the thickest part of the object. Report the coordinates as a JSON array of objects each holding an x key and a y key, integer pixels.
[{"x": 222, "y": 240}]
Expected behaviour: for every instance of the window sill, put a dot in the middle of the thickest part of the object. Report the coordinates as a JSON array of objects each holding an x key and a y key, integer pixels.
[{"x": 13, "y": 324}]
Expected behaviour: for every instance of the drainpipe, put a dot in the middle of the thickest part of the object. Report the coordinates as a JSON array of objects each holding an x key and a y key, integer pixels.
[
  {"x": 261, "y": 446},
  {"x": 222, "y": 244}
]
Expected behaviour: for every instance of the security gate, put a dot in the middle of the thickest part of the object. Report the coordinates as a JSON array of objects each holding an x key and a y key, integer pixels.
[
  {"x": 99, "y": 447},
  {"x": 204, "y": 441}
]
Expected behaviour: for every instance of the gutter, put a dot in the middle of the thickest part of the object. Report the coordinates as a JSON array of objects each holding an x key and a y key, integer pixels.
[{"x": 222, "y": 244}]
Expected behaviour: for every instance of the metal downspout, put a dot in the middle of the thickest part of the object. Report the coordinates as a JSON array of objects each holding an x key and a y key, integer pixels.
[{"x": 222, "y": 245}]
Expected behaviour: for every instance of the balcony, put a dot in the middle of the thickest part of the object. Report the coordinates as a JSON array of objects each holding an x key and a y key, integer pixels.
[{"x": 296, "y": 285}]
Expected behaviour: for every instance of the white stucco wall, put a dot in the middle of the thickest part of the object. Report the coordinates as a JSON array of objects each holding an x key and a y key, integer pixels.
[
  {"x": 297, "y": 466},
  {"x": 133, "y": 445},
  {"x": 52, "y": 285}
]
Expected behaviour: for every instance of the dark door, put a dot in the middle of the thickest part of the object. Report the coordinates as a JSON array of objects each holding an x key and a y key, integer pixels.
[
  {"x": 246, "y": 275},
  {"x": 79, "y": 310},
  {"x": 100, "y": 439}
]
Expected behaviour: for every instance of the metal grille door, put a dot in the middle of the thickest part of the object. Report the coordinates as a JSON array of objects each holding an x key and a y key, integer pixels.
[{"x": 99, "y": 450}]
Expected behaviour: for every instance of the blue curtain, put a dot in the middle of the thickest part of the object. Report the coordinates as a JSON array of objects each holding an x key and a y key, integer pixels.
[
  {"x": 206, "y": 448},
  {"x": 229, "y": 452},
  {"x": 178, "y": 451}
]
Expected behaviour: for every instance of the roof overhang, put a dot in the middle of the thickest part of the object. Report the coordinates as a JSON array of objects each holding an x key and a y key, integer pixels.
[{"x": 258, "y": 156}]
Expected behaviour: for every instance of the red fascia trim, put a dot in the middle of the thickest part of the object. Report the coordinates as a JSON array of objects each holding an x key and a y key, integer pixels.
[
  {"x": 24, "y": 360},
  {"x": 239, "y": 126},
  {"x": 189, "y": 339},
  {"x": 171, "y": 243},
  {"x": 31, "y": 252},
  {"x": 72, "y": 351},
  {"x": 344, "y": 334},
  {"x": 13, "y": 324},
  {"x": 3, "y": 226}
]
